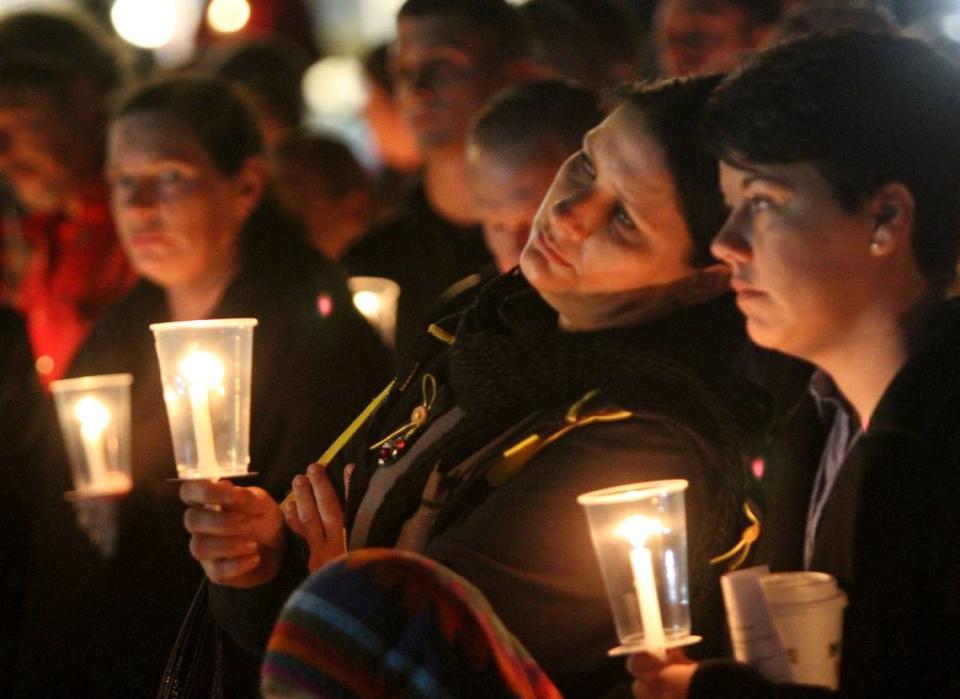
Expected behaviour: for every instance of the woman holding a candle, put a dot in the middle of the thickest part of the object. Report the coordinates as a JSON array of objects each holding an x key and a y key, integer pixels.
[
  {"x": 840, "y": 158},
  {"x": 609, "y": 357},
  {"x": 197, "y": 220}
]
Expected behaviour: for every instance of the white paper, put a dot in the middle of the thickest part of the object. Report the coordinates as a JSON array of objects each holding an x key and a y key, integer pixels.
[{"x": 755, "y": 640}]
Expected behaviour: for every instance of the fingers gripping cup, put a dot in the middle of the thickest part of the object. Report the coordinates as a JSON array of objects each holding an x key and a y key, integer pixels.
[
  {"x": 639, "y": 532},
  {"x": 205, "y": 368},
  {"x": 94, "y": 416}
]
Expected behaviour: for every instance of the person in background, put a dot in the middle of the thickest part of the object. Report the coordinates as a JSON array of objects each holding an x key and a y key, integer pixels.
[
  {"x": 190, "y": 196},
  {"x": 840, "y": 161},
  {"x": 449, "y": 58},
  {"x": 320, "y": 182},
  {"x": 56, "y": 73},
  {"x": 515, "y": 147},
  {"x": 594, "y": 44},
  {"x": 710, "y": 36},
  {"x": 818, "y": 16},
  {"x": 615, "y": 363},
  {"x": 391, "y": 136},
  {"x": 269, "y": 72}
]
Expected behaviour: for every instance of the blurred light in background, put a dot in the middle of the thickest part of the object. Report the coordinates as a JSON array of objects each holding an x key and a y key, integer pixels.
[
  {"x": 334, "y": 88},
  {"x": 148, "y": 24},
  {"x": 951, "y": 26},
  {"x": 227, "y": 16}
]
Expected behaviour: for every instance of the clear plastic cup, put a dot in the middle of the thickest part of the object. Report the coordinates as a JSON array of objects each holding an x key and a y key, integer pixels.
[
  {"x": 205, "y": 368},
  {"x": 94, "y": 416},
  {"x": 639, "y": 532},
  {"x": 376, "y": 299}
]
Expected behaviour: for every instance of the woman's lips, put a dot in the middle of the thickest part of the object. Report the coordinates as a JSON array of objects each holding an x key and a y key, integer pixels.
[
  {"x": 549, "y": 249},
  {"x": 745, "y": 291}
]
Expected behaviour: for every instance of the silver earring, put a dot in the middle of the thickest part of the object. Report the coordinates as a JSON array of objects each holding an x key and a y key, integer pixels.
[{"x": 875, "y": 247}]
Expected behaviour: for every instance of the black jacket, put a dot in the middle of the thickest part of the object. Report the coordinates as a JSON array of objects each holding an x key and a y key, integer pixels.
[
  {"x": 890, "y": 532},
  {"x": 518, "y": 533}
]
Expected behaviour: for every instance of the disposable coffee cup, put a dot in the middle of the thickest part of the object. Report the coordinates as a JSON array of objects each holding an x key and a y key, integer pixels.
[{"x": 807, "y": 612}]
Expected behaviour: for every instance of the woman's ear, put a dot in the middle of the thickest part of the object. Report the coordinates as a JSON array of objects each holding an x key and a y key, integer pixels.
[
  {"x": 250, "y": 183},
  {"x": 892, "y": 208}
]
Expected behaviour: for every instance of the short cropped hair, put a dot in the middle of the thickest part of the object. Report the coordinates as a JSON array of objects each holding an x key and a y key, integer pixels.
[
  {"x": 273, "y": 70},
  {"x": 673, "y": 109},
  {"x": 52, "y": 49},
  {"x": 759, "y": 12},
  {"x": 529, "y": 116},
  {"x": 209, "y": 108},
  {"x": 864, "y": 109},
  {"x": 498, "y": 23},
  {"x": 326, "y": 155}
]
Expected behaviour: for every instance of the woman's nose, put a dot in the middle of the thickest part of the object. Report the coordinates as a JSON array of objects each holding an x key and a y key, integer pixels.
[
  {"x": 731, "y": 245},
  {"x": 577, "y": 216}
]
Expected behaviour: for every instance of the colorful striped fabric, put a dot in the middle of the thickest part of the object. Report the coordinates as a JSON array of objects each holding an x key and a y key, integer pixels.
[{"x": 391, "y": 623}]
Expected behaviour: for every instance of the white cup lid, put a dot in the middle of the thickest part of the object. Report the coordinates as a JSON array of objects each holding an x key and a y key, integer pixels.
[{"x": 798, "y": 587}]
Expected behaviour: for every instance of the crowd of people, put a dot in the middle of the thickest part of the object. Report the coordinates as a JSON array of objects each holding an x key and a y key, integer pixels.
[{"x": 736, "y": 271}]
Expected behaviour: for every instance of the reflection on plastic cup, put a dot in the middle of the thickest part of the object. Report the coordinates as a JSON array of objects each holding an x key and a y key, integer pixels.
[
  {"x": 639, "y": 532},
  {"x": 807, "y": 612},
  {"x": 94, "y": 416},
  {"x": 205, "y": 367},
  {"x": 376, "y": 299}
]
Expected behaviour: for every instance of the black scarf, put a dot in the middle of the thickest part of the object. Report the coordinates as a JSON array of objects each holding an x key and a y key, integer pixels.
[{"x": 510, "y": 360}]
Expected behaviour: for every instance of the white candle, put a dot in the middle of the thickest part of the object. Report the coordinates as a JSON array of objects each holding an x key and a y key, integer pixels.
[
  {"x": 94, "y": 418},
  {"x": 638, "y": 529},
  {"x": 203, "y": 372}
]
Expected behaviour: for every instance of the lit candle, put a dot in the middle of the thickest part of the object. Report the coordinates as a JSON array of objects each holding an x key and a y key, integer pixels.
[
  {"x": 203, "y": 372},
  {"x": 94, "y": 418},
  {"x": 638, "y": 529},
  {"x": 369, "y": 303}
]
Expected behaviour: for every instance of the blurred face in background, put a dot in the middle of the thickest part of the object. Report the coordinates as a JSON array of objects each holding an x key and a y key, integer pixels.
[
  {"x": 44, "y": 149},
  {"x": 702, "y": 36},
  {"x": 508, "y": 187},
  {"x": 178, "y": 216},
  {"x": 442, "y": 76}
]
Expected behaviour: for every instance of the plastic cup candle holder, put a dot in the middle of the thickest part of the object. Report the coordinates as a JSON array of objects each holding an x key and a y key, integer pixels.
[
  {"x": 205, "y": 368},
  {"x": 94, "y": 416},
  {"x": 639, "y": 532},
  {"x": 376, "y": 299}
]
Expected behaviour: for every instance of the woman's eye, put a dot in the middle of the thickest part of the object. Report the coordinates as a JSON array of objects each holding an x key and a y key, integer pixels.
[
  {"x": 170, "y": 178},
  {"x": 759, "y": 204},
  {"x": 621, "y": 216},
  {"x": 586, "y": 165}
]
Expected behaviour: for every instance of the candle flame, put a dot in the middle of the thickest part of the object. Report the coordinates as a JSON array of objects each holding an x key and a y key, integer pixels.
[
  {"x": 638, "y": 529},
  {"x": 368, "y": 303},
  {"x": 202, "y": 369},
  {"x": 93, "y": 416}
]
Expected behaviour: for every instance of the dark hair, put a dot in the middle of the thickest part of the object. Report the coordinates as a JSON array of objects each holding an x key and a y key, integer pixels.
[
  {"x": 531, "y": 115},
  {"x": 272, "y": 69},
  {"x": 758, "y": 12},
  {"x": 52, "y": 49},
  {"x": 208, "y": 107},
  {"x": 496, "y": 22},
  {"x": 864, "y": 110},
  {"x": 327, "y": 156},
  {"x": 376, "y": 66},
  {"x": 822, "y": 16},
  {"x": 672, "y": 111}
]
